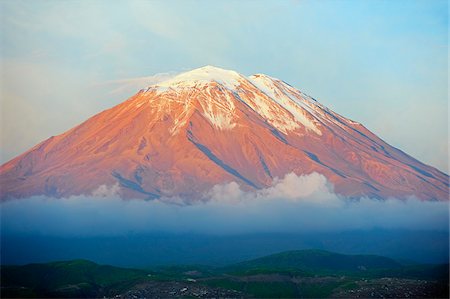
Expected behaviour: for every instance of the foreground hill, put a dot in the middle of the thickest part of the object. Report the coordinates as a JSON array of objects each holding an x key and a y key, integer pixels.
[
  {"x": 212, "y": 126},
  {"x": 77, "y": 278},
  {"x": 309, "y": 273}
]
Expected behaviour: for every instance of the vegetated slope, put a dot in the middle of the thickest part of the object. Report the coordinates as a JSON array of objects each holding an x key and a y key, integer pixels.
[
  {"x": 318, "y": 260},
  {"x": 212, "y": 126},
  {"x": 77, "y": 278},
  {"x": 307, "y": 273}
]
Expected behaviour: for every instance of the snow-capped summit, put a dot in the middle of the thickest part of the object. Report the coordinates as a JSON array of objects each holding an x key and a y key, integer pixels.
[
  {"x": 204, "y": 75},
  {"x": 211, "y": 126}
]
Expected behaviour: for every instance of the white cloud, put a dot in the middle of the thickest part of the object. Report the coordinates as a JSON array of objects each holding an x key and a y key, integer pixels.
[
  {"x": 292, "y": 204},
  {"x": 131, "y": 85},
  {"x": 106, "y": 191}
]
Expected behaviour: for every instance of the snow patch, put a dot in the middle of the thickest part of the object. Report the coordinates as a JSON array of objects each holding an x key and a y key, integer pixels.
[
  {"x": 280, "y": 104},
  {"x": 285, "y": 100},
  {"x": 219, "y": 109}
]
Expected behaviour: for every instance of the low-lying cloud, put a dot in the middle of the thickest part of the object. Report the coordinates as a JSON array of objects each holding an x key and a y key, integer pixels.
[{"x": 292, "y": 204}]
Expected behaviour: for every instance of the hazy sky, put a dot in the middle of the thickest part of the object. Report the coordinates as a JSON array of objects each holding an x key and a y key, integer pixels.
[{"x": 382, "y": 63}]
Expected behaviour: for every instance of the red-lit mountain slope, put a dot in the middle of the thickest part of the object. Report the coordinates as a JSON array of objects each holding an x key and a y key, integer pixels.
[{"x": 211, "y": 126}]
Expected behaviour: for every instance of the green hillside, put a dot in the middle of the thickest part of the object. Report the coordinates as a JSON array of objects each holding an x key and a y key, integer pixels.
[
  {"x": 293, "y": 274},
  {"x": 77, "y": 278},
  {"x": 318, "y": 260}
]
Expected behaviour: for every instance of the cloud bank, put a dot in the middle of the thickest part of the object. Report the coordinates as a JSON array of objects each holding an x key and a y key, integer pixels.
[{"x": 292, "y": 204}]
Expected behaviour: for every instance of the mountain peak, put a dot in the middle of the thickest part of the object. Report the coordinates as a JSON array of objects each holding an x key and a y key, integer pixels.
[
  {"x": 204, "y": 75},
  {"x": 211, "y": 68}
]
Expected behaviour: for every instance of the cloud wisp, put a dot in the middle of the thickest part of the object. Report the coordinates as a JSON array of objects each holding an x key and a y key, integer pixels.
[
  {"x": 131, "y": 85},
  {"x": 292, "y": 204}
]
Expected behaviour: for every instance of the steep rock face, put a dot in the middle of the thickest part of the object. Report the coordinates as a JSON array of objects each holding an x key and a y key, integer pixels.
[{"x": 211, "y": 126}]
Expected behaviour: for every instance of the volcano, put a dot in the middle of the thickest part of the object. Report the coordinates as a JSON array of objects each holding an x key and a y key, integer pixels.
[{"x": 211, "y": 126}]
